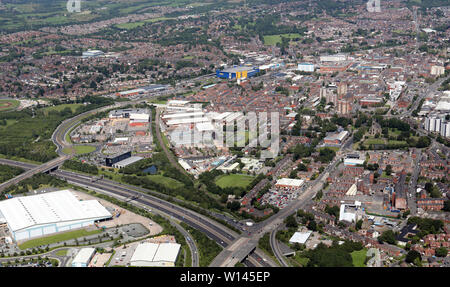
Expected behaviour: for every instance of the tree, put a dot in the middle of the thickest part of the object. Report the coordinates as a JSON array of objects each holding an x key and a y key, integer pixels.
[
  {"x": 428, "y": 187},
  {"x": 412, "y": 255},
  {"x": 446, "y": 206},
  {"x": 312, "y": 225},
  {"x": 290, "y": 221},
  {"x": 293, "y": 174},
  {"x": 441, "y": 252},
  {"x": 388, "y": 169},
  {"x": 423, "y": 141},
  {"x": 387, "y": 236},
  {"x": 302, "y": 167},
  {"x": 358, "y": 224}
]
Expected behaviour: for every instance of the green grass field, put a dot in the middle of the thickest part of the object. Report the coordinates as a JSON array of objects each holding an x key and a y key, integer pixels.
[
  {"x": 57, "y": 238},
  {"x": 374, "y": 141},
  {"x": 7, "y": 105},
  {"x": 397, "y": 142},
  {"x": 133, "y": 25},
  {"x": 80, "y": 149},
  {"x": 61, "y": 252},
  {"x": 167, "y": 181},
  {"x": 359, "y": 257},
  {"x": 234, "y": 180},
  {"x": 335, "y": 148},
  {"x": 274, "y": 39},
  {"x": 59, "y": 108}
]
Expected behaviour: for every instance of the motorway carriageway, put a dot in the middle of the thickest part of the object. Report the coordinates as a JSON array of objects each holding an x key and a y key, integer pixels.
[{"x": 208, "y": 227}]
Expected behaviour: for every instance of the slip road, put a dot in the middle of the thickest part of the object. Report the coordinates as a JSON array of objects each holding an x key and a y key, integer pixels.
[{"x": 232, "y": 276}]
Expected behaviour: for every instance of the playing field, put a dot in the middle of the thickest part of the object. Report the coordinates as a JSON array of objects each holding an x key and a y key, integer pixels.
[
  {"x": 274, "y": 39},
  {"x": 7, "y": 105},
  {"x": 359, "y": 257},
  {"x": 234, "y": 180}
]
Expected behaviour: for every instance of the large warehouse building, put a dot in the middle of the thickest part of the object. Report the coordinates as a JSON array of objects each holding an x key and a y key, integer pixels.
[
  {"x": 155, "y": 255},
  {"x": 237, "y": 72},
  {"x": 46, "y": 213}
]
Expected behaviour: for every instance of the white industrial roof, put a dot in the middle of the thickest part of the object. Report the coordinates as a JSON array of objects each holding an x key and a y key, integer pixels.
[
  {"x": 218, "y": 116},
  {"x": 340, "y": 136},
  {"x": 353, "y": 161},
  {"x": 187, "y": 121},
  {"x": 347, "y": 216},
  {"x": 183, "y": 115},
  {"x": 352, "y": 190},
  {"x": 177, "y": 102},
  {"x": 300, "y": 237},
  {"x": 46, "y": 208},
  {"x": 184, "y": 164},
  {"x": 443, "y": 106},
  {"x": 167, "y": 252},
  {"x": 144, "y": 252},
  {"x": 290, "y": 181},
  {"x": 206, "y": 126},
  {"x": 128, "y": 161},
  {"x": 153, "y": 252},
  {"x": 83, "y": 256}
]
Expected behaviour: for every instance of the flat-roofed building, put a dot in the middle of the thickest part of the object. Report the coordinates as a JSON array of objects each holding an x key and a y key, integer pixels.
[
  {"x": 353, "y": 161},
  {"x": 127, "y": 161},
  {"x": 300, "y": 237},
  {"x": 335, "y": 138},
  {"x": 289, "y": 183},
  {"x": 47, "y": 213},
  {"x": 155, "y": 255},
  {"x": 83, "y": 257}
]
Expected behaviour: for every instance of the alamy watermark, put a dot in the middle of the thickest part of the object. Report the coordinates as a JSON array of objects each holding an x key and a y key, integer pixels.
[
  {"x": 74, "y": 6},
  {"x": 373, "y": 6},
  {"x": 238, "y": 130}
]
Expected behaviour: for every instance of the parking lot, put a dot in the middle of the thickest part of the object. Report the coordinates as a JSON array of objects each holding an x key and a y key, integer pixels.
[{"x": 123, "y": 254}]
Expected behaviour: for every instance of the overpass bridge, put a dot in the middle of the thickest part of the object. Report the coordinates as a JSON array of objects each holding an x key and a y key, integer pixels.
[{"x": 48, "y": 166}]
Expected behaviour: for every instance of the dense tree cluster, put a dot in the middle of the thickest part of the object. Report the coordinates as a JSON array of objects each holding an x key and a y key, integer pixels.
[
  {"x": 333, "y": 256},
  {"x": 8, "y": 172},
  {"x": 426, "y": 225},
  {"x": 80, "y": 166}
]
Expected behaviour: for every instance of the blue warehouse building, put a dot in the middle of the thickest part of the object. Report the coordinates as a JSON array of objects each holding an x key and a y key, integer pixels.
[{"x": 240, "y": 72}]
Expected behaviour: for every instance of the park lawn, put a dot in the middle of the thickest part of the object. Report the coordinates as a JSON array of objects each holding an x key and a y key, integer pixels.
[
  {"x": 7, "y": 105},
  {"x": 9, "y": 122},
  {"x": 61, "y": 252},
  {"x": 397, "y": 142},
  {"x": 384, "y": 175},
  {"x": 334, "y": 148},
  {"x": 167, "y": 181},
  {"x": 82, "y": 149},
  {"x": 57, "y": 238},
  {"x": 79, "y": 149},
  {"x": 374, "y": 141},
  {"x": 274, "y": 39},
  {"x": 394, "y": 132},
  {"x": 133, "y": 25},
  {"x": 59, "y": 108},
  {"x": 129, "y": 26},
  {"x": 359, "y": 257},
  {"x": 234, "y": 180},
  {"x": 303, "y": 261}
]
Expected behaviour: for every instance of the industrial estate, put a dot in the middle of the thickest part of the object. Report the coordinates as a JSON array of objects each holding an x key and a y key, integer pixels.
[{"x": 225, "y": 134}]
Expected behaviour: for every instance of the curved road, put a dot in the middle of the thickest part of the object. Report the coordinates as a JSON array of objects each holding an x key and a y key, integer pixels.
[{"x": 222, "y": 235}]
